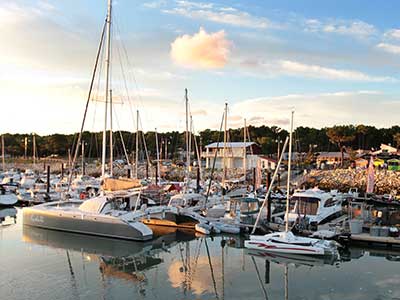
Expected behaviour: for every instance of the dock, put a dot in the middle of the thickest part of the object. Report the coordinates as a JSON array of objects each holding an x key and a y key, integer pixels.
[{"x": 376, "y": 240}]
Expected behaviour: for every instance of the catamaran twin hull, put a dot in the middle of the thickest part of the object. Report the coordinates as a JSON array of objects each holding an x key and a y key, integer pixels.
[{"x": 75, "y": 221}]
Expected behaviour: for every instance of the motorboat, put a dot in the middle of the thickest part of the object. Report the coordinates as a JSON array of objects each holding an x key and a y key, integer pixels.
[
  {"x": 7, "y": 198},
  {"x": 287, "y": 242},
  {"x": 316, "y": 205},
  {"x": 106, "y": 215}
]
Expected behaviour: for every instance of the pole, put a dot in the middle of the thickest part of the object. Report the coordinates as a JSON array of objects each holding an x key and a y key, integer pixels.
[
  {"x": 34, "y": 149},
  {"x": 107, "y": 62},
  {"x": 289, "y": 169},
  {"x": 187, "y": 139},
  {"x": 62, "y": 170},
  {"x": 270, "y": 187},
  {"x": 3, "y": 153},
  {"x": 244, "y": 150},
  {"x": 111, "y": 137},
  {"x": 224, "y": 151},
  {"x": 137, "y": 145},
  {"x": 48, "y": 178},
  {"x": 158, "y": 159},
  {"x": 83, "y": 157}
]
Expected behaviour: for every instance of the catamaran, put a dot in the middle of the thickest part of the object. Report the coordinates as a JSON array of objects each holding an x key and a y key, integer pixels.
[{"x": 109, "y": 214}]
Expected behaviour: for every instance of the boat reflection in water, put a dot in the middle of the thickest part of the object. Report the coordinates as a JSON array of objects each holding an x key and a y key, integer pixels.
[
  {"x": 120, "y": 259},
  {"x": 8, "y": 216}
]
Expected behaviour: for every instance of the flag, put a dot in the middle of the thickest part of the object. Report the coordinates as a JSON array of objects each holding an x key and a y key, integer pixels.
[
  {"x": 258, "y": 174},
  {"x": 371, "y": 176}
]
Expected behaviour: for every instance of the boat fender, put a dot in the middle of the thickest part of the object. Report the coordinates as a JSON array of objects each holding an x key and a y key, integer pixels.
[{"x": 82, "y": 196}]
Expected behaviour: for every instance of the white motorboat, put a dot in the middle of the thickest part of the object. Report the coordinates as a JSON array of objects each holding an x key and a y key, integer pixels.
[
  {"x": 316, "y": 205},
  {"x": 7, "y": 198},
  {"x": 287, "y": 242}
]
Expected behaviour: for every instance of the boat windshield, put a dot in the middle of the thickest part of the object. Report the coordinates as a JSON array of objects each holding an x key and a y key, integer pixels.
[{"x": 305, "y": 205}]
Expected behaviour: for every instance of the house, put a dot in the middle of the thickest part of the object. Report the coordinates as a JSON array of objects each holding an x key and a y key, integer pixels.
[
  {"x": 234, "y": 155},
  {"x": 385, "y": 149},
  {"x": 268, "y": 163},
  {"x": 331, "y": 158}
]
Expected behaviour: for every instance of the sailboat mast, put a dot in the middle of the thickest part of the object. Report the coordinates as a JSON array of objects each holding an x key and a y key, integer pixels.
[
  {"x": 137, "y": 144},
  {"x": 288, "y": 177},
  {"x": 187, "y": 133},
  {"x": 158, "y": 175},
  {"x": 111, "y": 136},
  {"x": 107, "y": 62},
  {"x": 225, "y": 140},
  {"x": 244, "y": 151},
  {"x": 34, "y": 149},
  {"x": 3, "y": 152}
]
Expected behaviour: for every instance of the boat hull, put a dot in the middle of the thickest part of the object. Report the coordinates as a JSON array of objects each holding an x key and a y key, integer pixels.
[
  {"x": 284, "y": 248},
  {"x": 76, "y": 222}
]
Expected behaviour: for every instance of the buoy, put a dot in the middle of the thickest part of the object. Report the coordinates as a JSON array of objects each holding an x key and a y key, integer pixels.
[{"x": 82, "y": 196}]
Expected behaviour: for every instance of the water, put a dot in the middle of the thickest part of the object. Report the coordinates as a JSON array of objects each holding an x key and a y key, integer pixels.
[{"x": 42, "y": 264}]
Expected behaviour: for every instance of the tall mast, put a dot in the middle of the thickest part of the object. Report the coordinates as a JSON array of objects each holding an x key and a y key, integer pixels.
[
  {"x": 107, "y": 62},
  {"x": 244, "y": 150},
  {"x": 111, "y": 136},
  {"x": 225, "y": 140},
  {"x": 3, "y": 152},
  {"x": 288, "y": 178},
  {"x": 83, "y": 157},
  {"x": 187, "y": 134},
  {"x": 34, "y": 149},
  {"x": 158, "y": 158},
  {"x": 137, "y": 145}
]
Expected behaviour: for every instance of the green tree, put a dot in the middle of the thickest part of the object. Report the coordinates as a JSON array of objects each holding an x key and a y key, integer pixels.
[{"x": 341, "y": 135}]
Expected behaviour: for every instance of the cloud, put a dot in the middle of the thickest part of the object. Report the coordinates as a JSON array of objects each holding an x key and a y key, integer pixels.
[
  {"x": 299, "y": 69},
  {"x": 202, "y": 50},
  {"x": 223, "y": 15},
  {"x": 355, "y": 28},
  {"x": 356, "y": 107},
  {"x": 394, "y": 49},
  {"x": 393, "y": 34}
]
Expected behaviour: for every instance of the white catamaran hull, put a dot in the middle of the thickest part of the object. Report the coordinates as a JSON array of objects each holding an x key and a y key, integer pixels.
[{"x": 50, "y": 216}]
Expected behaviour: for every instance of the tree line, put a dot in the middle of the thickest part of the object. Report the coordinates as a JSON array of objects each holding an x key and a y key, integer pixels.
[{"x": 306, "y": 139}]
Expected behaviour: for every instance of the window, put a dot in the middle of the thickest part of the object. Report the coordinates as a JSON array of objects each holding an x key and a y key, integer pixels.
[{"x": 330, "y": 202}]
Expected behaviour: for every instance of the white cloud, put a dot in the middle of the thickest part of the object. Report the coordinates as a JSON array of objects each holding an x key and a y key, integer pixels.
[
  {"x": 355, "y": 28},
  {"x": 321, "y": 110},
  {"x": 202, "y": 50},
  {"x": 393, "y": 34},
  {"x": 299, "y": 69},
  {"x": 223, "y": 15},
  {"x": 395, "y": 49}
]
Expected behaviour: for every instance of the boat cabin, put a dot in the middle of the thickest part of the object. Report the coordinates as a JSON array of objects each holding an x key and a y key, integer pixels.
[{"x": 314, "y": 204}]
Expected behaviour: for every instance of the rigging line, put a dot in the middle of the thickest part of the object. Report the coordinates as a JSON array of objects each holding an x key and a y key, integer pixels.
[
  {"x": 211, "y": 268},
  {"x": 215, "y": 158},
  {"x": 259, "y": 279},
  {"x": 87, "y": 106},
  {"x": 131, "y": 68},
  {"x": 122, "y": 139},
  {"x": 125, "y": 83},
  {"x": 144, "y": 142}
]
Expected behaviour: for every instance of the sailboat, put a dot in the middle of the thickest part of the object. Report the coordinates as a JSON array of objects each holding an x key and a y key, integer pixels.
[
  {"x": 108, "y": 215},
  {"x": 287, "y": 242}
]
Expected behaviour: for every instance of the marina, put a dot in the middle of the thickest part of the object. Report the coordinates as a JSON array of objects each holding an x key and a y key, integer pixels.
[
  {"x": 199, "y": 150},
  {"x": 181, "y": 265}
]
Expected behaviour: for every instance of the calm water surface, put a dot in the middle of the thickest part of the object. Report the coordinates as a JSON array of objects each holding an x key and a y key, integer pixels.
[{"x": 42, "y": 264}]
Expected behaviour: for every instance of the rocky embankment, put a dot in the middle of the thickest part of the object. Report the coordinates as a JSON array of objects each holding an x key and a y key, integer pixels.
[{"x": 386, "y": 182}]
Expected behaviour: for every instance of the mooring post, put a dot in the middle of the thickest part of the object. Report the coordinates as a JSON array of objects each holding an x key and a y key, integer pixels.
[{"x": 48, "y": 178}]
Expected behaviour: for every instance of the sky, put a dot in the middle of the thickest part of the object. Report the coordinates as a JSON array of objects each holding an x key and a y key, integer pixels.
[{"x": 333, "y": 62}]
